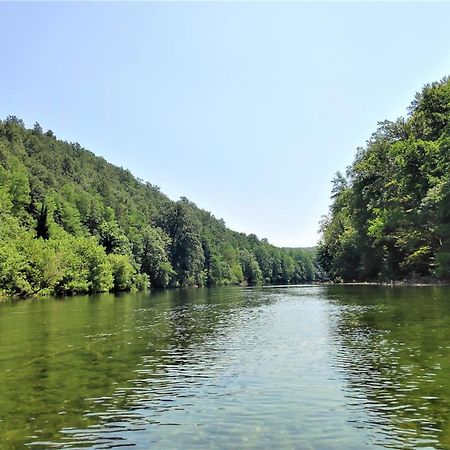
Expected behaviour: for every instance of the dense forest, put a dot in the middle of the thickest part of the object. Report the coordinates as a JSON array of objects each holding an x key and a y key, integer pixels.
[
  {"x": 390, "y": 213},
  {"x": 70, "y": 222}
]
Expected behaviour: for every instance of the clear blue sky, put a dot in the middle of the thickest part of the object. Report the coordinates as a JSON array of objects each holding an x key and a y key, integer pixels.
[{"x": 246, "y": 109}]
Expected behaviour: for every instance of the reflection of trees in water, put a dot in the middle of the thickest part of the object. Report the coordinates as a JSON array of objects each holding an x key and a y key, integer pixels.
[
  {"x": 184, "y": 334},
  {"x": 393, "y": 347}
]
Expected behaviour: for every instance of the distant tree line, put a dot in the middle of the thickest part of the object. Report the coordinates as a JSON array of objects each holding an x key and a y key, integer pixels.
[
  {"x": 390, "y": 214},
  {"x": 70, "y": 222}
]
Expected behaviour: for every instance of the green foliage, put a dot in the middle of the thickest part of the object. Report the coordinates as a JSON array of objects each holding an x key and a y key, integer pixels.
[
  {"x": 250, "y": 268},
  {"x": 42, "y": 228},
  {"x": 390, "y": 216},
  {"x": 113, "y": 239},
  {"x": 72, "y": 223},
  {"x": 186, "y": 250},
  {"x": 27, "y": 266},
  {"x": 151, "y": 250},
  {"x": 124, "y": 272}
]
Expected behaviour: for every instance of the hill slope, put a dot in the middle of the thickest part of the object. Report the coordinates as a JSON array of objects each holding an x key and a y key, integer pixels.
[
  {"x": 390, "y": 216},
  {"x": 70, "y": 222}
]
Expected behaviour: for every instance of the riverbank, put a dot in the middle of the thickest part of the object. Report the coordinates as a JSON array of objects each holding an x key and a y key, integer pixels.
[{"x": 428, "y": 282}]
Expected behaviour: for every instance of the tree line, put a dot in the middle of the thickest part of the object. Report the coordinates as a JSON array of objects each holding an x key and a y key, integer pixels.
[
  {"x": 390, "y": 213},
  {"x": 70, "y": 222}
]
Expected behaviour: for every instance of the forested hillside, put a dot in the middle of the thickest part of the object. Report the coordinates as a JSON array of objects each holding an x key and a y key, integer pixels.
[
  {"x": 390, "y": 215},
  {"x": 70, "y": 222}
]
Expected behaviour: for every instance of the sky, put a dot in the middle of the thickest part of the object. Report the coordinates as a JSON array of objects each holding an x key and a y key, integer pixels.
[{"x": 247, "y": 109}]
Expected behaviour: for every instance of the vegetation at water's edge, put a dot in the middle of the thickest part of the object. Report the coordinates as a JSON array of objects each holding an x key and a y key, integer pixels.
[
  {"x": 390, "y": 215},
  {"x": 72, "y": 223}
]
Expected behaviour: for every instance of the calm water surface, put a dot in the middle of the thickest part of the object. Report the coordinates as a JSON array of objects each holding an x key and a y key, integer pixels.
[{"x": 319, "y": 367}]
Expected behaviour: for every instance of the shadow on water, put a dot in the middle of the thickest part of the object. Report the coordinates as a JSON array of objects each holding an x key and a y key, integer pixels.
[
  {"x": 304, "y": 368},
  {"x": 394, "y": 352},
  {"x": 86, "y": 362}
]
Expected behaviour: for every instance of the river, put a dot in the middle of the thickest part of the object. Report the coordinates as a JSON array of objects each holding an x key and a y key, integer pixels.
[{"x": 301, "y": 367}]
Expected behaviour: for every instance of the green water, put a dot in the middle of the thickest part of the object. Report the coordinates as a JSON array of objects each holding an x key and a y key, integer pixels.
[{"x": 317, "y": 367}]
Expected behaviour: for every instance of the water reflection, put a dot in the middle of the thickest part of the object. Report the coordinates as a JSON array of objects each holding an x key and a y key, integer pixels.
[
  {"x": 394, "y": 351},
  {"x": 180, "y": 367},
  {"x": 301, "y": 368}
]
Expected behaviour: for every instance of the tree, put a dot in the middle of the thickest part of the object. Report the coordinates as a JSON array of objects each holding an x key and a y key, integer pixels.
[
  {"x": 390, "y": 217},
  {"x": 42, "y": 229},
  {"x": 113, "y": 239},
  {"x": 151, "y": 251},
  {"x": 37, "y": 129},
  {"x": 186, "y": 251},
  {"x": 250, "y": 268},
  {"x": 73, "y": 223}
]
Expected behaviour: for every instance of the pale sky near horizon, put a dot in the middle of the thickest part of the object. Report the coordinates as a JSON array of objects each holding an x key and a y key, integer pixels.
[{"x": 247, "y": 109}]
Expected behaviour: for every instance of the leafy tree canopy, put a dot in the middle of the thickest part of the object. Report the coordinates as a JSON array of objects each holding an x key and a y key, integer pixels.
[
  {"x": 73, "y": 223},
  {"x": 390, "y": 215}
]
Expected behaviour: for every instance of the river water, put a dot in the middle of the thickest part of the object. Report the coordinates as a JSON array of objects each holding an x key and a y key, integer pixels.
[{"x": 305, "y": 367}]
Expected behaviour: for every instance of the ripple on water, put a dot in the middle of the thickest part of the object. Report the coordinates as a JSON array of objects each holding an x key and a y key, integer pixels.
[{"x": 304, "y": 367}]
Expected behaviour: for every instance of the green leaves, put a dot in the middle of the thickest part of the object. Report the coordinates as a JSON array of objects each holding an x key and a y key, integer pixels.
[
  {"x": 151, "y": 250},
  {"x": 391, "y": 217},
  {"x": 72, "y": 223},
  {"x": 186, "y": 250}
]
